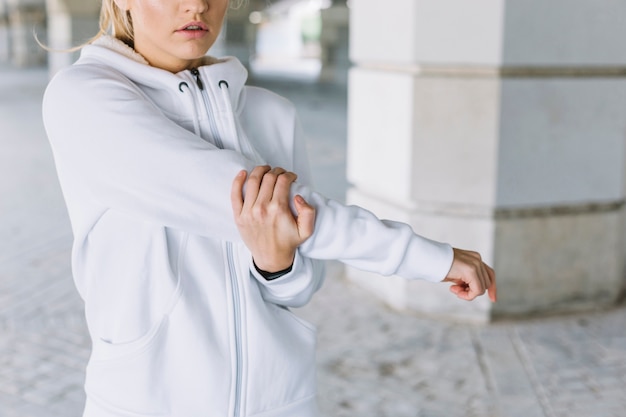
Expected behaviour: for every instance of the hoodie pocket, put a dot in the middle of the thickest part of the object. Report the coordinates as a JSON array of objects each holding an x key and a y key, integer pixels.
[
  {"x": 127, "y": 379},
  {"x": 132, "y": 278},
  {"x": 135, "y": 287},
  {"x": 130, "y": 378}
]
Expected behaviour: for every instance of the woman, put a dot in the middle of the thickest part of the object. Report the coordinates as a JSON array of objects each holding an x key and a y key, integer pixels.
[{"x": 187, "y": 305}]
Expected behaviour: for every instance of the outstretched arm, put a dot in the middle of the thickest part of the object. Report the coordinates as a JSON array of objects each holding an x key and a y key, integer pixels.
[{"x": 273, "y": 233}]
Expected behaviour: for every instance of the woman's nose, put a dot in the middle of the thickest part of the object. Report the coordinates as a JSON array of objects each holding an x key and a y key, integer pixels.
[{"x": 195, "y": 6}]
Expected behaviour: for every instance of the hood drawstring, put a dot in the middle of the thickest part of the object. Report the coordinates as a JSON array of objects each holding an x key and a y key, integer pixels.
[
  {"x": 196, "y": 123},
  {"x": 238, "y": 137},
  {"x": 223, "y": 85}
]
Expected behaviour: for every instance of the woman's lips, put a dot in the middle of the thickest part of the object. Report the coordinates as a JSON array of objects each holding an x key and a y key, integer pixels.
[
  {"x": 199, "y": 26},
  {"x": 193, "y": 30}
]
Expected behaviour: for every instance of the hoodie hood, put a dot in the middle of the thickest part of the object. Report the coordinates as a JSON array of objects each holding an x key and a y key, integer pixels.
[{"x": 110, "y": 51}]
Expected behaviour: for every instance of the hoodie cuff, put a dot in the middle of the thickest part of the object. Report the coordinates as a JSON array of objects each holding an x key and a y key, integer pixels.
[
  {"x": 280, "y": 277},
  {"x": 270, "y": 276},
  {"x": 432, "y": 259}
]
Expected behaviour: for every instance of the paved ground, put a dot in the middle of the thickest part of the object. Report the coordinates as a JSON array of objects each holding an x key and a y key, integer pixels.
[{"x": 373, "y": 362}]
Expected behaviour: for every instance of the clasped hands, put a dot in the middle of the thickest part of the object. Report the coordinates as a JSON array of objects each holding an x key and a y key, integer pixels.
[{"x": 272, "y": 232}]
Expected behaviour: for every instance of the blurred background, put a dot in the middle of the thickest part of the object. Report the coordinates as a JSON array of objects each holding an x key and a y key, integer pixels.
[{"x": 494, "y": 125}]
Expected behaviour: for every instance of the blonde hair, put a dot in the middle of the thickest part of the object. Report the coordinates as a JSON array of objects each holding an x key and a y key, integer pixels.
[{"x": 116, "y": 21}]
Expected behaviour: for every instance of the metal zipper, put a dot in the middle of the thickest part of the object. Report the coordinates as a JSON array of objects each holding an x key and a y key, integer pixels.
[
  {"x": 237, "y": 309},
  {"x": 230, "y": 259},
  {"x": 207, "y": 103}
]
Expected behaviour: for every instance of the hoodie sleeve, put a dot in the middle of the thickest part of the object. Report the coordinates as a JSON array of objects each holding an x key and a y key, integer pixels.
[
  {"x": 356, "y": 237},
  {"x": 124, "y": 153}
]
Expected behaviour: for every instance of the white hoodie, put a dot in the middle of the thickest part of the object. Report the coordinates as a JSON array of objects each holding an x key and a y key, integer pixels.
[{"x": 182, "y": 324}]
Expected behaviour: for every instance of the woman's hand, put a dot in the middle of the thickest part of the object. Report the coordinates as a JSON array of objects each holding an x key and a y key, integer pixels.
[
  {"x": 262, "y": 214},
  {"x": 470, "y": 276}
]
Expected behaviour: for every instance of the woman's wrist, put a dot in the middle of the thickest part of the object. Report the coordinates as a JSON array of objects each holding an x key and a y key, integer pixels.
[
  {"x": 272, "y": 275},
  {"x": 275, "y": 262}
]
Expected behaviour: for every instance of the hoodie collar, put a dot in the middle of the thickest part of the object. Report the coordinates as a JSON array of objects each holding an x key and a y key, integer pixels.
[{"x": 112, "y": 52}]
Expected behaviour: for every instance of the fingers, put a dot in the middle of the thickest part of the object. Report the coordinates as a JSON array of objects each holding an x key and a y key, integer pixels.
[
  {"x": 473, "y": 275},
  {"x": 268, "y": 184},
  {"x": 478, "y": 286},
  {"x": 282, "y": 188},
  {"x": 271, "y": 184},
  {"x": 306, "y": 217},
  {"x": 253, "y": 186},
  {"x": 266, "y": 192},
  {"x": 470, "y": 276},
  {"x": 489, "y": 281},
  {"x": 491, "y": 290},
  {"x": 236, "y": 192}
]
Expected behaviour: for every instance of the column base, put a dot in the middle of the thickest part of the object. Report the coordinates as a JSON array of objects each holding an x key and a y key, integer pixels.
[{"x": 559, "y": 262}]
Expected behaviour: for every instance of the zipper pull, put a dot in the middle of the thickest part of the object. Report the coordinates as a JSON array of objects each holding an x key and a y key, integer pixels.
[{"x": 196, "y": 74}]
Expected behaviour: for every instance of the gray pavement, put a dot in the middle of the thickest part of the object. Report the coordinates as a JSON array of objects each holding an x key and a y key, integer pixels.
[{"x": 373, "y": 362}]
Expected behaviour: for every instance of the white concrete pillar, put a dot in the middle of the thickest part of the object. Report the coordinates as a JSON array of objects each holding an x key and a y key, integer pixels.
[
  {"x": 70, "y": 23},
  {"x": 497, "y": 126},
  {"x": 334, "y": 44},
  {"x": 238, "y": 35},
  {"x": 25, "y": 18}
]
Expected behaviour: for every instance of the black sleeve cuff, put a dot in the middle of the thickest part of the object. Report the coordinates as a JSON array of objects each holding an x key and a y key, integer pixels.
[{"x": 272, "y": 275}]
